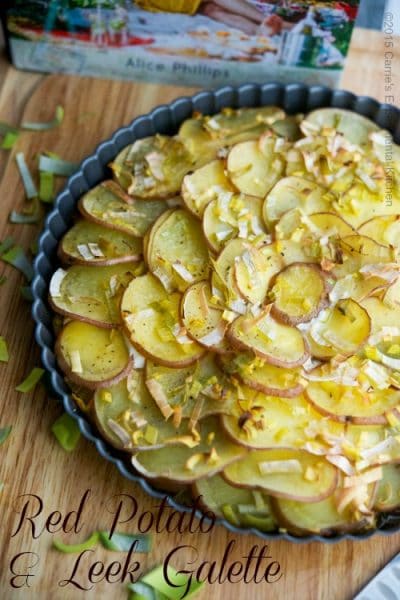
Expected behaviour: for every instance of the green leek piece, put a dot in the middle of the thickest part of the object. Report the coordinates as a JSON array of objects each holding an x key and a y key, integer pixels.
[
  {"x": 30, "y": 382},
  {"x": 57, "y": 166},
  {"x": 230, "y": 514},
  {"x": 30, "y": 188},
  {"x": 6, "y": 245},
  {"x": 155, "y": 579},
  {"x": 23, "y": 219},
  {"x": 17, "y": 258},
  {"x": 4, "y": 356},
  {"x": 66, "y": 431},
  {"x": 77, "y": 548},
  {"x": 58, "y": 119},
  {"x": 122, "y": 542},
  {"x": 46, "y": 186},
  {"x": 261, "y": 522},
  {"x": 142, "y": 591},
  {"x": 6, "y": 128},
  {"x": 9, "y": 140},
  {"x": 4, "y": 433}
]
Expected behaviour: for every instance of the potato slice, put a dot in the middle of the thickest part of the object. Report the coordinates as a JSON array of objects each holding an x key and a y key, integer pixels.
[
  {"x": 151, "y": 318},
  {"x": 92, "y": 356},
  {"x": 152, "y": 167},
  {"x": 292, "y": 474},
  {"x": 381, "y": 314},
  {"x": 91, "y": 294},
  {"x": 295, "y": 192},
  {"x": 388, "y": 492},
  {"x": 352, "y": 404},
  {"x": 294, "y": 224},
  {"x": 272, "y": 422},
  {"x": 181, "y": 464},
  {"x": 302, "y": 518},
  {"x": 177, "y": 253},
  {"x": 277, "y": 344},
  {"x": 231, "y": 123},
  {"x": 254, "y": 168},
  {"x": 358, "y": 203},
  {"x": 254, "y": 270},
  {"x": 129, "y": 418},
  {"x": 358, "y": 251},
  {"x": 353, "y": 126},
  {"x": 232, "y": 215},
  {"x": 298, "y": 293},
  {"x": 103, "y": 206},
  {"x": 201, "y": 383},
  {"x": 198, "y": 142},
  {"x": 383, "y": 230},
  {"x": 205, "y": 184},
  {"x": 88, "y": 243},
  {"x": 223, "y": 282},
  {"x": 203, "y": 322},
  {"x": 215, "y": 492},
  {"x": 357, "y": 287},
  {"x": 344, "y": 327},
  {"x": 259, "y": 375}
]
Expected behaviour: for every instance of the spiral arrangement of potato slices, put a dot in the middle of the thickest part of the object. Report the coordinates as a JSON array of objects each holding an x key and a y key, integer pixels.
[{"x": 228, "y": 313}]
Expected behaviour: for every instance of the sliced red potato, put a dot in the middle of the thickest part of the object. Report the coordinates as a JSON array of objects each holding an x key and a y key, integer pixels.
[
  {"x": 384, "y": 229},
  {"x": 92, "y": 356},
  {"x": 354, "y": 127},
  {"x": 152, "y": 167},
  {"x": 176, "y": 252},
  {"x": 388, "y": 493},
  {"x": 278, "y": 344},
  {"x": 392, "y": 295},
  {"x": 223, "y": 282},
  {"x": 203, "y": 322},
  {"x": 232, "y": 215},
  {"x": 183, "y": 464},
  {"x": 231, "y": 124},
  {"x": 254, "y": 168},
  {"x": 253, "y": 271},
  {"x": 130, "y": 419},
  {"x": 345, "y": 327},
  {"x": 88, "y": 243},
  {"x": 291, "y": 474},
  {"x": 91, "y": 294},
  {"x": 352, "y": 404},
  {"x": 382, "y": 315},
  {"x": 323, "y": 517},
  {"x": 298, "y": 293},
  {"x": 197, "y": 140},
  {"x": 200, "y": 387},
  {"x": 295, "y": 192},
  {"x": 151, "y": 318},
  {"x": 240, "y": 506},
  {"x": 271, "y": 422},
  {"x": 103, "y": 206},
  {"x": 259, "y": 375},
  {"x": 357, "y": 287},
  {"x": 205, "y": 184},
  {"x": 295, "y": 224},
  {"x": 357, "y": 251}
]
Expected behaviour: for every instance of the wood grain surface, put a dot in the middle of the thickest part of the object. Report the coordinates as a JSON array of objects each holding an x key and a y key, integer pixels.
[{"x": 31, "y": 460}]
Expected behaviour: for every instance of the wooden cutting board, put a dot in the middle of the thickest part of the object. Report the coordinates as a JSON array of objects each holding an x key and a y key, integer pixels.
[{"x": 31, "y": 460}]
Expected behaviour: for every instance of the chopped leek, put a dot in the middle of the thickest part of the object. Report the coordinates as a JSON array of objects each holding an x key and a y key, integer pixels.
[
  {"x": 156, "y": 580},
  {"x": 6, "y": 128},
  {"x": 30, "y": 188},
  {"x": 9, "y": 140},
  {"x": 57, "y": 166},
  {"x": 122, "y": 542},
  {"x": 55, "y": 122},
  {"x": 30, "y": 382},
  {"x": 3, "y": 350},
  {"x": 77, "y": 548},
  {"x": 17, "y": 258},
  {"x": 66, "y": 431},
  {"x": 4, "y": 433},
  {"x": 6, "y": 245}
]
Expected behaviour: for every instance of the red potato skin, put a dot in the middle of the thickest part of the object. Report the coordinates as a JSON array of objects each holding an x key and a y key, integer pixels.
[
  {"x": 159, "y": 361},
  {"x": 91, "y": 385},
  {"x": 328, "y": 492},
  {"x": 375, "y": 420},
  {"x": 286, "y": 319},
  {"x": 272, "y": 360},
  {"x": 76, "y": 317},
  {"x": 271, "y": 391}
]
